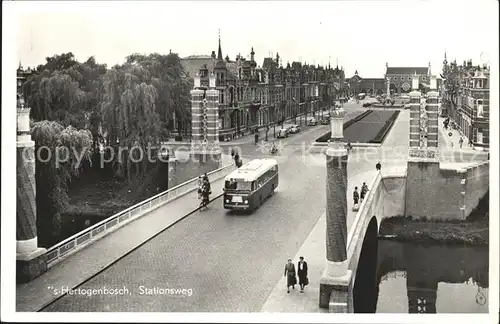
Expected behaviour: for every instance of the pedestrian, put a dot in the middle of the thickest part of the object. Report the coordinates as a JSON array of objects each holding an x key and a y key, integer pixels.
[
  {"x": 378, "y": 166},
  {"x": 364, "y": 190},
  {"x": 355, "y": 196},
  {"x": 237, "y": 160},
  {"x": 302, "y": 273},
  {"x": 200, "y": 186},
  {"x": 470, "y": 142},
  {"x": 233, "y": 152},
  {"x": 291, "y": 279},
  {"x": 256, "y": 138},
  {"x": 461, "y": 141}
]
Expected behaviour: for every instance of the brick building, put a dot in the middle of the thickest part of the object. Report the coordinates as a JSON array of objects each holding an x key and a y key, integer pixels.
[
  {"x": 400, "y": 78},
  {"x": 466, "y": 99},
  {"x": 369, "y": 86},
  {"x": 252, "y": 96}
]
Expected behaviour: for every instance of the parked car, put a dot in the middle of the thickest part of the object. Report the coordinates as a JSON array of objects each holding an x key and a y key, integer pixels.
[
  {"x": 407, "y": 106},
  {"x": 294, "y": 129},
  {"x": 287, "y": 127},
  {"x": 312, "y": 121},
  {"x": 367, "y": 104},
  {"x": 282, "y": 133}
]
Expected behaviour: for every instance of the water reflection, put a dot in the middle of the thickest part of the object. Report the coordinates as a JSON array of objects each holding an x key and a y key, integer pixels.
[{"x": 415, "y": 278}]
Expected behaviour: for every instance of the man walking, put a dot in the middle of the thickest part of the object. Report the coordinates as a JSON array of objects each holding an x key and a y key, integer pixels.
[
  {"x": 355, "y": 196},
  {"x": 364, "y": 190},
  {"x": 302, "y": 273},
  {"x": 378, "y": 166}
]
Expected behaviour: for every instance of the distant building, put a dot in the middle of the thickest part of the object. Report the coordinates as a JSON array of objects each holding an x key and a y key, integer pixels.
[
  {"x": 22, "y": 76},
  {"x": 252, "y": 97},
  {"x": 369, "y": 86},
  {"x": 400, "y": 78}
]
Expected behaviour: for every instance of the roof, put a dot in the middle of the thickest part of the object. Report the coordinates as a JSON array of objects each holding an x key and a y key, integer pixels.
[
  {"x": 192, "y": 64},
  {"x": 252, "y": 170},
  {"x": 407, "y": 70}
]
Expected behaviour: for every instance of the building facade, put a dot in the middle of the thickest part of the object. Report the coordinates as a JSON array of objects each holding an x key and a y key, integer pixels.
[
  {"x": 466, "y": 99},
  {"x": 369, "y": 86},
  {"x": 400, "y": 78},
  {"x": 253, "y": 96}
]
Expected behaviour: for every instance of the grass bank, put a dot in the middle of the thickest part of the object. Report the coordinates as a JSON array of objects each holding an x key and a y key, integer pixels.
[{"x": 473, "y": 231}]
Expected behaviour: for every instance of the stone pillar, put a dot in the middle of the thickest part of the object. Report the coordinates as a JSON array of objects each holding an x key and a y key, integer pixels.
[
  {"x": 212, "y": 114},
  {"x": 31, "y": 261},
  {"x": 415, "y": 97},
  {"x": 388, "y": 87},
  {"x": 336, "y": 279},
  {"x": 432, "y": 114},
  {"x": 205, "y": 133}
]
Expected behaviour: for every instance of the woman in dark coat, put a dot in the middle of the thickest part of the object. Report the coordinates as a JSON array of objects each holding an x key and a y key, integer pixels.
[
  {"x": 302, "y": 272},
  {"x": 290, "y": 274}
]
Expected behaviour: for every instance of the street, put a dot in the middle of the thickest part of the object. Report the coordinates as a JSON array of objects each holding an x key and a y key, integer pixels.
[{"x": 230, "y": 261}]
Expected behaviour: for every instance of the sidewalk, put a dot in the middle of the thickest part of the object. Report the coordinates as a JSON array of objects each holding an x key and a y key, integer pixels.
[
  {"x": 452, "y": 142},
  {"x": 314, "y": 252},
  {"x": 249, "y": 138},
  {"x": 72, "y": 271}
]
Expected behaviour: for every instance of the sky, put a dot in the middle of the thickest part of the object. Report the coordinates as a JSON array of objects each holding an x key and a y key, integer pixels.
[{"x": 360, "y": 35}]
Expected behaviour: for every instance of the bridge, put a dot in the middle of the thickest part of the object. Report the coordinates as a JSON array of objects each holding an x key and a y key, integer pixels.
[{"x": 228, "y": 262}]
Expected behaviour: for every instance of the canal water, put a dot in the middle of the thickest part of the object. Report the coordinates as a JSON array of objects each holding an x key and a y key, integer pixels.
[{"x": 416, "y": 278}]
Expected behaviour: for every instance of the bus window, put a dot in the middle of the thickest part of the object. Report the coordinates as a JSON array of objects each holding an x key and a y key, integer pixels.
[{"x": 238, "y": 185}]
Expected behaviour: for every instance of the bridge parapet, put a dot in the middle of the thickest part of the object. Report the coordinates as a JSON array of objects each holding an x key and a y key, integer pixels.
[{"x": 385, "y": 199}]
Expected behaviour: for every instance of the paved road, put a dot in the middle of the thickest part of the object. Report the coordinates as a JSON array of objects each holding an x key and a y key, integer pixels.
[
  {"x": 229, "y": 261},
  {"x": 226, "y": 262}
]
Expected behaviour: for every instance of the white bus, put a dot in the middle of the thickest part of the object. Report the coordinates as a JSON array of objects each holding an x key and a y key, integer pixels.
[{"x": 247, "y": 187}]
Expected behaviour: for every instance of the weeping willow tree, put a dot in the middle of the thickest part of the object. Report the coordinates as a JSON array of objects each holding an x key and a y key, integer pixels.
[
  {"x": 169, "y": 79},
  {"x": 66, "y": 91},
  {"x": 60, "y": 153},
  {"x": 130, "y": 116}
]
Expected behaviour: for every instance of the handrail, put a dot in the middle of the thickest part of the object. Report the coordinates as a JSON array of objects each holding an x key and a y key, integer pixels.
[{"x": 97, "y": 231}]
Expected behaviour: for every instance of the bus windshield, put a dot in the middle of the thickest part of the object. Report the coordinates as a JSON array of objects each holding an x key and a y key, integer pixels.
[{"x": 238, "y": 185}]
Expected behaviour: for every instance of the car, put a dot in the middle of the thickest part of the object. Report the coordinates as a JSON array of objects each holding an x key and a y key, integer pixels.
[
  {"x": 312, "y": 121},
  {"x": 407, "y": 106},
  {"x": 294, "y": 129},
  {"x": 282, "y": 133},
  {"x": 367, "y": 104},
  {"x": 287, "y": 127},
  {"x": 325, "y": 121}
]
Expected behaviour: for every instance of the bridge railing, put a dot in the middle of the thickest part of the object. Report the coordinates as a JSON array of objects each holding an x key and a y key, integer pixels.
[{"x": 91, "y": 234}]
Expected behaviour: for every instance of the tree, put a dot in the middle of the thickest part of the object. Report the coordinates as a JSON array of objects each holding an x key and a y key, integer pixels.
[
  {"x": 172, "y": 86},
  {"x": 129, "y": 111},
  {"x": 57, "y": 162}
]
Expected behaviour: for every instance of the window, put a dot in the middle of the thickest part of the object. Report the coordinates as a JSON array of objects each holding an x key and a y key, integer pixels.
[
  {"x": 480, "y": 108},
  {"x": 238, "y": 185}
]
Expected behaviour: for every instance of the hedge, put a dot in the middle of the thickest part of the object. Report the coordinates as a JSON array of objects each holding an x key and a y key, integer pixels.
[
  {"x": 379, "y": 138},
  {"x": 324, "y": 138}
]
